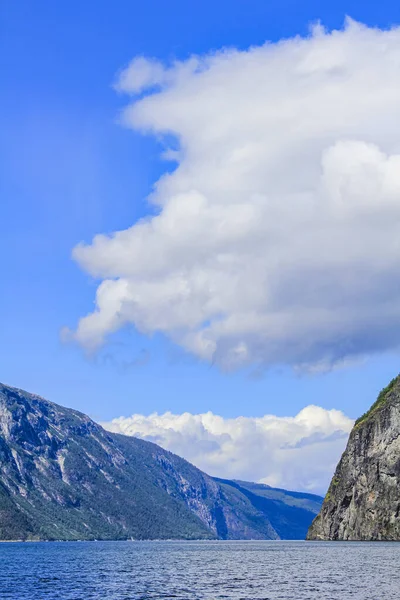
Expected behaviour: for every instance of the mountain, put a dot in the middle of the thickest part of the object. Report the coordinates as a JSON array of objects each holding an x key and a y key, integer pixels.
[
  {"x": 363, "y": 500},
  {"x": 288, "y": 512},
  {"x": 64, "y": 477}
]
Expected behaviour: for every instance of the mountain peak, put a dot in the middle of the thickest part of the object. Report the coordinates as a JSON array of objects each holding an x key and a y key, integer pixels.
[{"x": 63, "y": 476}]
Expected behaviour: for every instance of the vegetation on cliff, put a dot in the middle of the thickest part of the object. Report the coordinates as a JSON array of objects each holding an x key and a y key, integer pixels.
[{"x": 379, "y": 402}]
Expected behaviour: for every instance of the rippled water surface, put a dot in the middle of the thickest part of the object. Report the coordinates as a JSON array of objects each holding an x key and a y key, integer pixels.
[{"x": 200, "y": 570}]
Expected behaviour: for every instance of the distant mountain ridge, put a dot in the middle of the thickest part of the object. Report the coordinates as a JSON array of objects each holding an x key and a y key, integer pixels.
[
  {"x": 63, "y": 477},
  {"x": 286, "y": 511}
]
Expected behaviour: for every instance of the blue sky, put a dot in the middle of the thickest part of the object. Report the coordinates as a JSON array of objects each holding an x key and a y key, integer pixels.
[{"x": 68, "y": 171}]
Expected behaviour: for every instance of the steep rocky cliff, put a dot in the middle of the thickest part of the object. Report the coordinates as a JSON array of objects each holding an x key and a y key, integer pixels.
[
  {"x": 62, "y": 476},
  {"x": 363, "y": 500}
]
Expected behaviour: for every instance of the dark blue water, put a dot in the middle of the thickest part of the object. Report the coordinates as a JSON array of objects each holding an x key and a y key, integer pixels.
[{"x": 200, "y": 570}]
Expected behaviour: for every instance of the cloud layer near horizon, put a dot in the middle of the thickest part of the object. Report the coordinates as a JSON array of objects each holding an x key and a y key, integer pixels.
[
  {"x": 277, "y": 235},
  {"x": 298, "y": 452}
]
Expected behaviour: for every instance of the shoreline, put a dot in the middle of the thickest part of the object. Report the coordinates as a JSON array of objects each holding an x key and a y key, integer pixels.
[{"x": 180, "y": 540}]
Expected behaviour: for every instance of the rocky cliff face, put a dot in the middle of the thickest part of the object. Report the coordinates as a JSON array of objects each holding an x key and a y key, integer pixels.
[
  {"x": 363, "y": 500},
  {"x": 64, "y": 477}
]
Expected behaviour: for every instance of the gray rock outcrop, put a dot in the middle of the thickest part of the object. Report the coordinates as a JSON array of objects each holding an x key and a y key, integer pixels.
[{"x": 363, "y": 500}]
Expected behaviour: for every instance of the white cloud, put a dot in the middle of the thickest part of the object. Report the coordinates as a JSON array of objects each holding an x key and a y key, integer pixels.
[
  {"x": 298, "y": 452},
  {"x": 277, "y": 236},
  {"x": 142, "y": 73}
]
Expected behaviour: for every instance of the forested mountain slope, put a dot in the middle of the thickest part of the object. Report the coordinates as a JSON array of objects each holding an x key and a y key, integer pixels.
[{"x": 64, "y": 477}]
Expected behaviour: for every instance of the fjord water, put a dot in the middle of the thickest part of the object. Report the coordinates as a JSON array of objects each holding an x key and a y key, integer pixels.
[{"x": 199, "y": 570}]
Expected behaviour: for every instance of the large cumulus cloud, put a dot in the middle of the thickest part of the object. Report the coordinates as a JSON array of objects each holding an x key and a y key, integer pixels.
[
  {"x": 298, "y": 452},
  {"x": 277, "y": 236}
]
